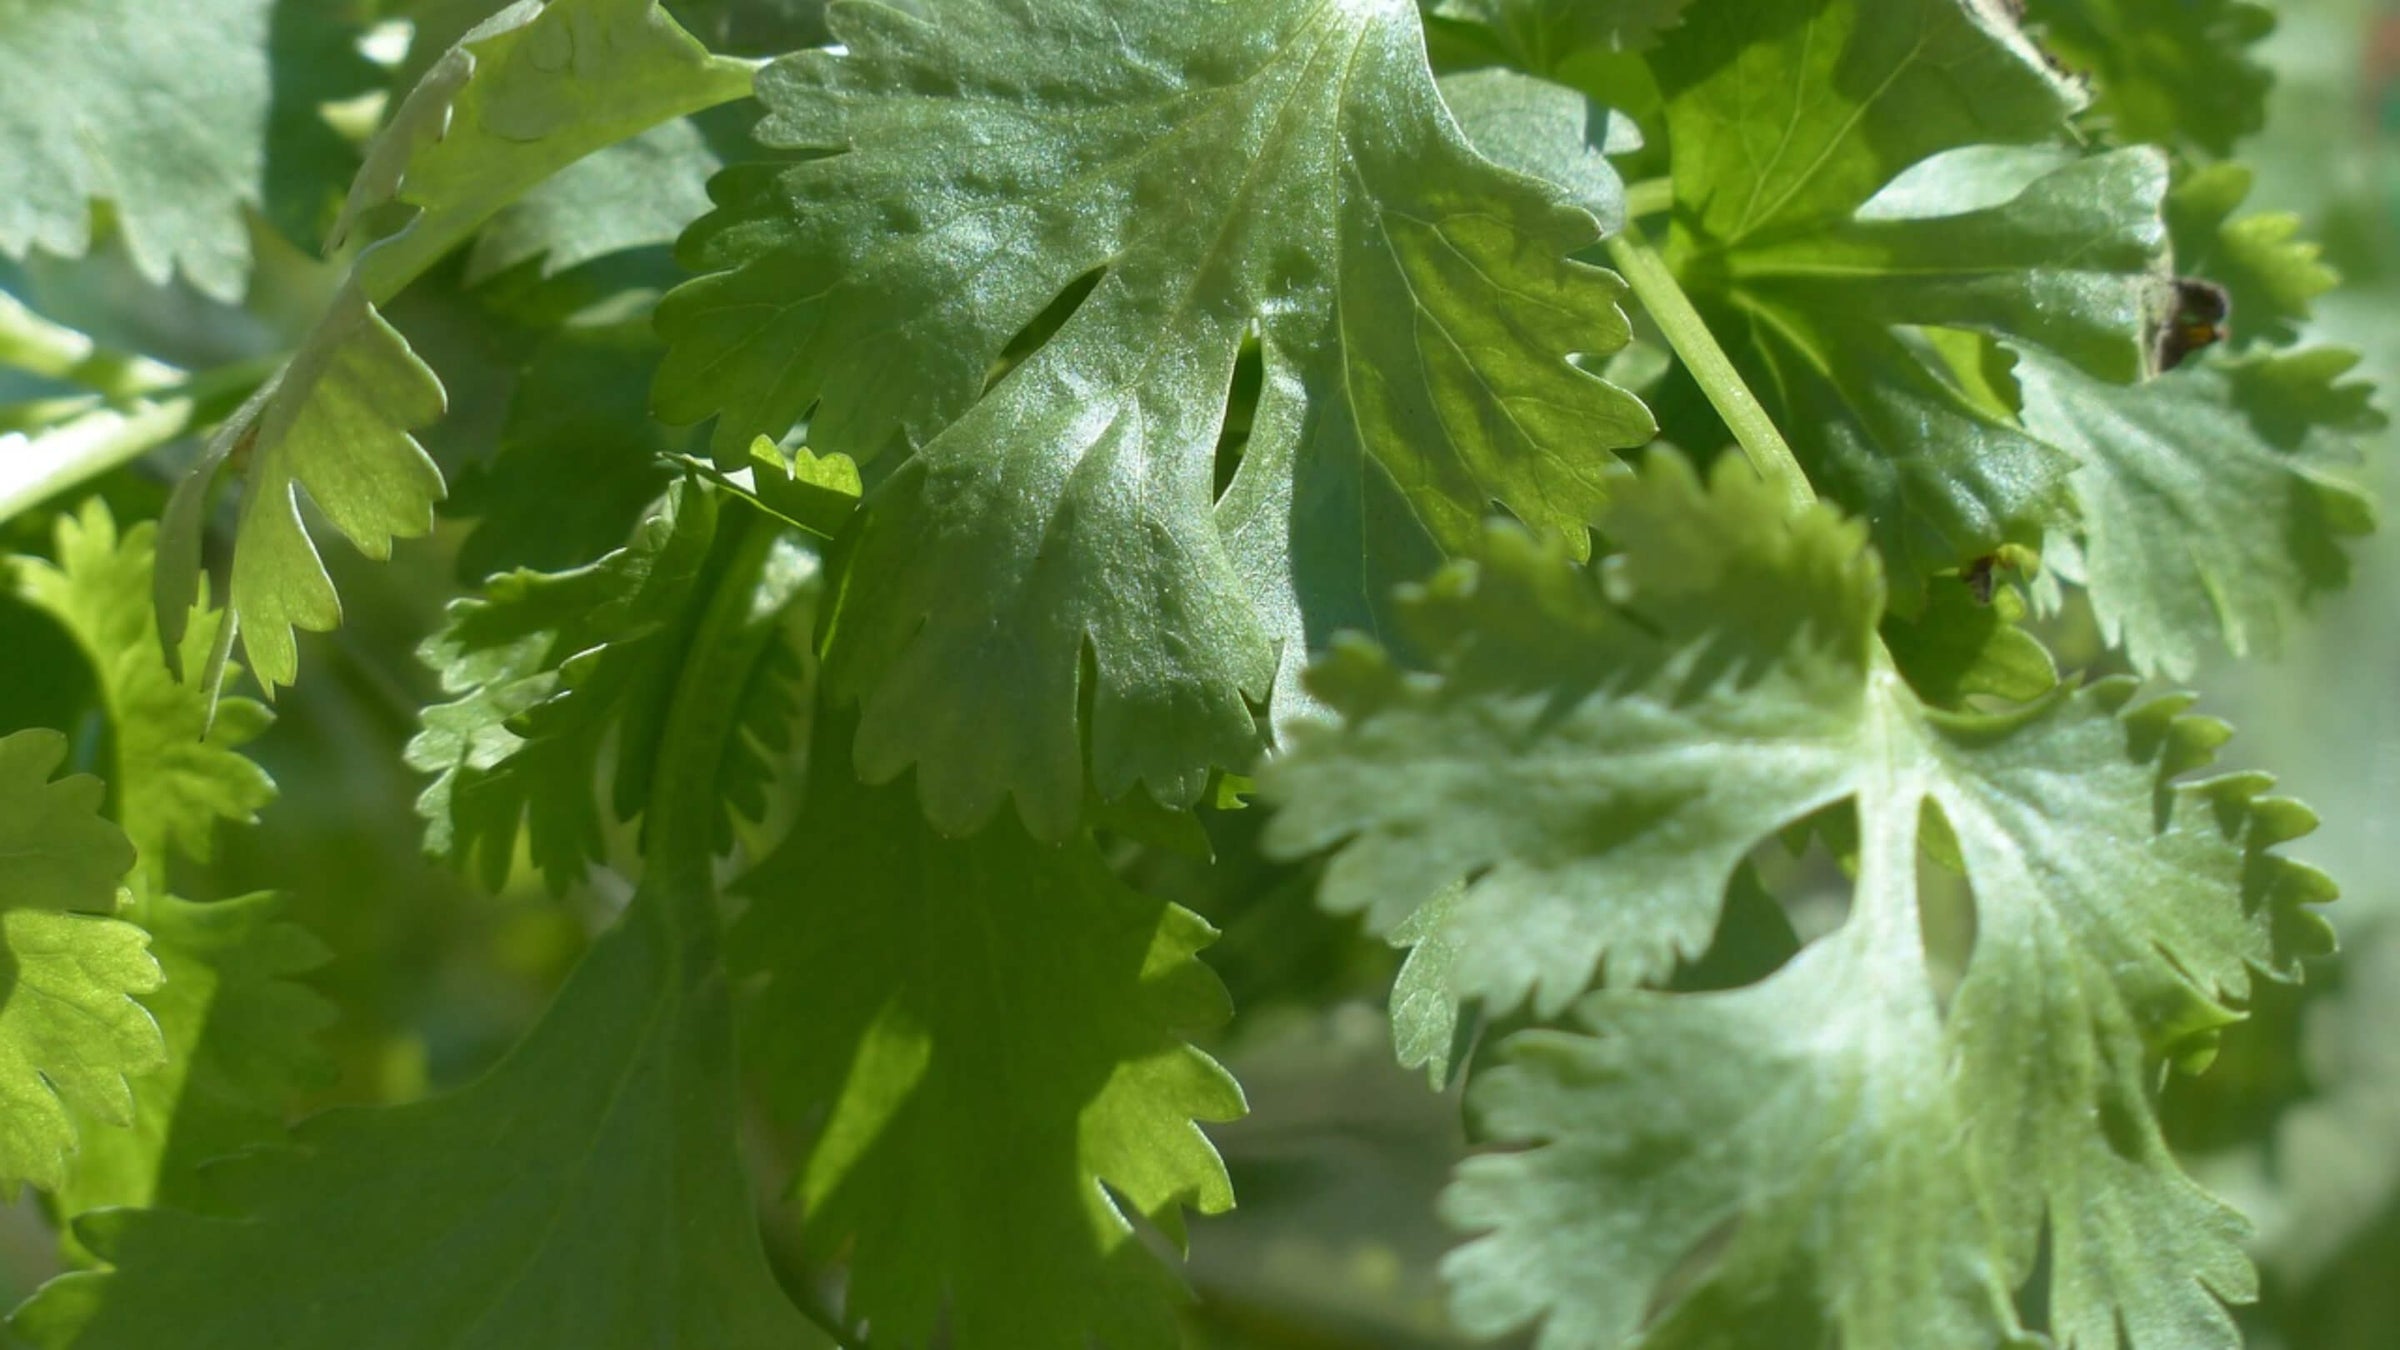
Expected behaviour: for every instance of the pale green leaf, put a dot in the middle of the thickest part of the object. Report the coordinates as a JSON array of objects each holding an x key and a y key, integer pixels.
[
  {"x": 522, "y": 96},
  {"x": 1728, "y": 730},
  {"x": 1270, "y": 166},
  {"x": 990, "y": 1032},
  {"x": 638, "y": 193},
  {"x": 237, "y": 1028},
  {"x": 2216, "y": 498},
  {"x": 586, "y": 1192},
  {"x": 1870, "y": 1145},
  {"x": 183, "y": 117},
  {"x": 334, "y": 424},
  {"x": 71, "y": 1033},
  {"x": 178, "y": 776}
]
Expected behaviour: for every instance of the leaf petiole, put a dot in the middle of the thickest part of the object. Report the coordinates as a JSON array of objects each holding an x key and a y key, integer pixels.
[{"x": 1688, "y": 333}]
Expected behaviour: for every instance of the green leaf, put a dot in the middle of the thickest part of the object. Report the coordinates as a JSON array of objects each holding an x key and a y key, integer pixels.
[
  {"x": 548, "y": 671},
  {"x": 585, "y": 1192},
  {"x": 1269, "y": 166},
  {"x": 638, "y": 193},
  {"x": 580, "y": 415},
  {"x": 334, "y": 424},
  {"x": 2178, "y": 72},
  {"x": 183, "y": 117},
  {"x": 240, "y": 1035},
  {"x": 2268, "y": 272},
  {"x": 1727, "y": 729},
  {"x": 1823, "y": 232},
  {"x": 990, "y": 1031},
  {"x": 1851, "y": 1149},
  {"x": 1538, "y": 34},
  {"x": 1962, "y": 647},
  {"x": 71, "y": 1033},
  {"x": 237, "y": 1029},
  {"x": 178, "y": 775},
  {"x": 522, "y": 96},
  {"x": 1543, "y": 130},
  {"x": 2215, "y": 497}
]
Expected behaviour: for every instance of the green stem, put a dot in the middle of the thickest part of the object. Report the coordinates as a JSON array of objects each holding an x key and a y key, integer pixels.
[
  {"x": 39, "y": 346},
  {"x": 1649, "y": 197},
  {"x": 86, "y": 441},
  {"x": 43, "y": 466},
  {"x": 1688, "y": 333}
]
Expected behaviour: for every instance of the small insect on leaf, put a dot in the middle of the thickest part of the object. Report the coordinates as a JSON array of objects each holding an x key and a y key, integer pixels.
[{"x": 2202, "y": 311}]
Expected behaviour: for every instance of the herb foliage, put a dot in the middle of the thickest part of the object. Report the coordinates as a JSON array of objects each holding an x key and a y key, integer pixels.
[{"x": 1552, "y": 462}]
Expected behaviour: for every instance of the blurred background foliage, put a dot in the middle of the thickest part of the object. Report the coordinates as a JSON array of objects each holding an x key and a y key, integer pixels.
[{"x": 1336, "y": 1241}]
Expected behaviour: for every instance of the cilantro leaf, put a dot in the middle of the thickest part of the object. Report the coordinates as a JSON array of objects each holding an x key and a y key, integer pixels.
[
  {"x": 638, "y": 193},
  {"x": 525, "y": 94},
  {"x": 334, "y": 423},
  {"x": 522, "y": 96},
  {"x": 1268, "y": 166},
  {"x": 1826, "y": 235},
  {"x": 2269, "y": 274},
  {"x": 179, "y": 775},
  {"x": 993, "y": 1040},
  {"x": 2215, "y": 497},
  {"x": 71, "y": 1033},
  {"x": 182, "y": 117},
  {"x": 585, "y": 1192},
  {"x": 2173, "y": 72},
  {"x": 547, "y": 670},
  {"x": 1836, "y": 1146},
  {"x": 1538, "y": 34},
  {"x": 1962, "y": 646},
  {"x": 1730, "y": 729},
  {"x": 236, "y": 1026},
  {"x": 580, "y": 414},
  {"x": 240, "y": 1042}
]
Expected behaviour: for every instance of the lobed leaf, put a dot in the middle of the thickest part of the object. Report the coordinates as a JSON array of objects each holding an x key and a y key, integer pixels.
[
  {"x": 179, "y": 775},
  {"x": 1849, "y": 1148},
  {"x": 2215, "y": 497},
  {"x": 183, "y": 118},
  {"x": 2270, "y": 275},
  {"x": 1268, "y": 167},
  {"x": 71, "y": 1033},
  {"x": 991, "y": 1033},
  {"x": 549, "y": 673},
  {"x": 585, "y": 1192},
  {"x": 530, "y": 91},
  {"x": 237, "y": 1026}
]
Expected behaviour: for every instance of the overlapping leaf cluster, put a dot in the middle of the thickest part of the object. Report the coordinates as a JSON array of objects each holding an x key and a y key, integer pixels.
[{"x": 1076, "y": 373}]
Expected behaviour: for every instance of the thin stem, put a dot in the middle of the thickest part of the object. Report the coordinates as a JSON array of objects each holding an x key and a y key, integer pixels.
[
  {"x": 1688, "y": 333},
  {"x": 1649, "y": 197},
  {"x": 35, "y": 468},
  {"x": 74, "y": 440},
  {"x": 40, "y": 346}
]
